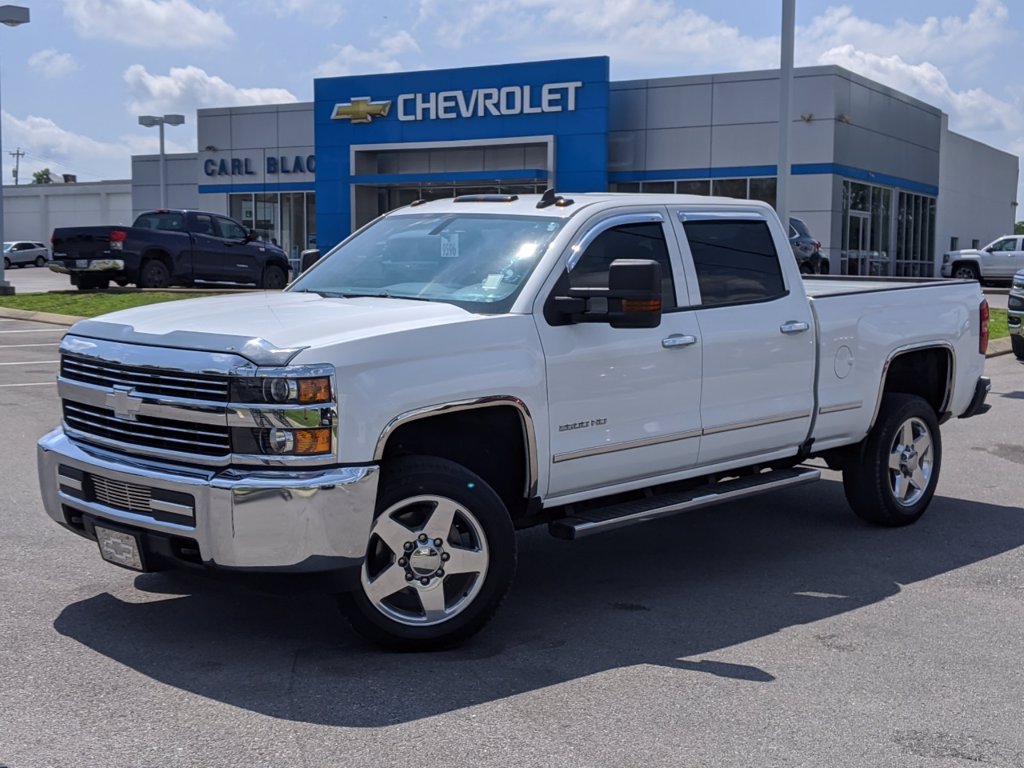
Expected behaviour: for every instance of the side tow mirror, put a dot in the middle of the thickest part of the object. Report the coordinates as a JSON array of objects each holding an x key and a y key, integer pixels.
[
  {"x": 634, "y": 293},
  {"x": 308, "y": 258}
]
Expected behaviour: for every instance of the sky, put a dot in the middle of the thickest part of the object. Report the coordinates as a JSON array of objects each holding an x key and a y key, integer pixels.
[{"x": 77, "y": 76}]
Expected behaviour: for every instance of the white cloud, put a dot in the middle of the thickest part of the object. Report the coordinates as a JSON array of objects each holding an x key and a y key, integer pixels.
[
  {"x": 52, "y": 64},
  {"x": 322, "y": 13},
  {"x": 950, "y": 39},
  {"x": 384, "y": 57},
  {"x": 970, "y": 109},
  {"x": 186, "y": 89},
  {"x": 48, "y": 145},
  {"x": 148, "y": 23}
]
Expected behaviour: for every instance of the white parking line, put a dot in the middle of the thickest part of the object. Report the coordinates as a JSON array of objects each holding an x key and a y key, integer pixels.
[
  {"x": 34, "y": 362},
  {"x": 14, "y": 346},
  {"x": 30, "y": 384}
]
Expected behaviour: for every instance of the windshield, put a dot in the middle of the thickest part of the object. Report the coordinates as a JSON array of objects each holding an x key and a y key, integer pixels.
[
  {"x": 479, "y": 262},
  {"x": 7, "y": 246}
]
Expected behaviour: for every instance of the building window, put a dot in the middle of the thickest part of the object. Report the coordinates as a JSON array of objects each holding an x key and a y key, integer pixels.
[
  {"x": 286, "y": 219},
  {"x": 975, "y": 243},
  {"x": 696, "y": 187},
  {"x": 954, "y": 243}
]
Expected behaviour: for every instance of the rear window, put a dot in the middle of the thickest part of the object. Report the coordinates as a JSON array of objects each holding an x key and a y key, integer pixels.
[{"x": 168, "y": 222}]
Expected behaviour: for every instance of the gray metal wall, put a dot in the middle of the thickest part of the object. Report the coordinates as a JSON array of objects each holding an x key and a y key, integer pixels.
[
  {"x": 33, "y": 211},
  {"x": 181, "y": 182}
]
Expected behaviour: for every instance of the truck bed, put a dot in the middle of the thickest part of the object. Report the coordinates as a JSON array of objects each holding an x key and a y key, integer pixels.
[{"x": 819, "y": 287}]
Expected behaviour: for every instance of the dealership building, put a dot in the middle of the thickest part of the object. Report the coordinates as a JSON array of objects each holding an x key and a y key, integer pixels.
[{"x": 877, "y": 175}]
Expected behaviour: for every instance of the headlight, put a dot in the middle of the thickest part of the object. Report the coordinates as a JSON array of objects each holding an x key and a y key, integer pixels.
[{"x": 282, "y": 391}]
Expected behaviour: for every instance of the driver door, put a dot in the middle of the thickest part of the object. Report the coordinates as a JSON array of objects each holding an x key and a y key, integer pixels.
[{"x": 624, "y": 403}]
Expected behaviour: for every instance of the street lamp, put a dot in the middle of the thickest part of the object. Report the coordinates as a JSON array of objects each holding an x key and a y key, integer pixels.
[
  {"x": 149, "y": 121},
  {"x": 12, "y": 16}
]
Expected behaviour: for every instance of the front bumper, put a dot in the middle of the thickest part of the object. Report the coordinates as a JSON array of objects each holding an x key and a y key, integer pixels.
[{"x": 272, "y": 521}]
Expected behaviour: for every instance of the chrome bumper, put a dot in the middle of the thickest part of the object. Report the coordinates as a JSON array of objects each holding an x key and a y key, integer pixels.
[
  {"x": 95, "y": 265},
  {"x": 256, "y": 520}
]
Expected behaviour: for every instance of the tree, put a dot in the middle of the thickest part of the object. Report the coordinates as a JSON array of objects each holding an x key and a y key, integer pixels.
[
  {"x": 42, "y": 177},
  {"x": 1018, "y": 228}
]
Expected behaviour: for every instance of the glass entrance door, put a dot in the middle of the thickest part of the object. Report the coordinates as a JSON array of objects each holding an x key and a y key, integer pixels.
[{"x": 857, "y": 243}]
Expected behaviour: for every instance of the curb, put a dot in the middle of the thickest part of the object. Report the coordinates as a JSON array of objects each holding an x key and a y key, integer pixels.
[
  {"x": 39, "y": 317},
  {"x": 996, "y": 347}
]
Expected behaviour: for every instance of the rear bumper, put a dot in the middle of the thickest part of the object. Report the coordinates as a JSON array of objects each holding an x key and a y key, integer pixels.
[
  {"x": 256, "y": 521},
  {"x": 90, "y": 266},
  {"x": 978, "y": 404}
]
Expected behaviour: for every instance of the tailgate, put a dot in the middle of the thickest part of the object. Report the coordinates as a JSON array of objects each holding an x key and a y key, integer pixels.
[{"x": 81, "y": 243}]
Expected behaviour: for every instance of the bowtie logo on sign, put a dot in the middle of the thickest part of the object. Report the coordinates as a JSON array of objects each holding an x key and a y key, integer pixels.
[
  {"x": 479, "y": 102},
  {"x": 361, "y": 110}
]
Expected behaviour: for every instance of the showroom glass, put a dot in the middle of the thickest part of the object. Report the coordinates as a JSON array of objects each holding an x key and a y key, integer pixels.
[
  {"x": 479, "y": 262},
  {"x": 735, "y": 261}
]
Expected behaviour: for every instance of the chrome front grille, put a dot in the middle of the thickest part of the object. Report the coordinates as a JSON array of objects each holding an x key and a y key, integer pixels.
[
  {"x": 121, "y": 495},
  {"x": 146, "y": 381},
  {"x": 181, "y": 437}
]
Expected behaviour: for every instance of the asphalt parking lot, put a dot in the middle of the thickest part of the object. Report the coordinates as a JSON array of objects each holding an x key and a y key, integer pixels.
[{"x": 779, "y": 632}]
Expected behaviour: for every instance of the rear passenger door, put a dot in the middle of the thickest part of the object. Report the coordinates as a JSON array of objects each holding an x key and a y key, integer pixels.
[{"x": 757, "y": 336}]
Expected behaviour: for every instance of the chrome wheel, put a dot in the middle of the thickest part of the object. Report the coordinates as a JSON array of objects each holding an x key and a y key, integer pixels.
[
  {"x": 910, "y": 462},
  {"x": 965, "y": 272},
  {"x": 427, "y": 560}
]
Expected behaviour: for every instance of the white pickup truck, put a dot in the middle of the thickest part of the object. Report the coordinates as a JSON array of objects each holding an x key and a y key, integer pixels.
[
  {"x": 997, "y": 261},
  {"x": 459, "y": 369}
]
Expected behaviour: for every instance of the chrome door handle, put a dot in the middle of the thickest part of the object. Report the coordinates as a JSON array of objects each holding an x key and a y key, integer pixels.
[
  {"x": 794, "y": 326},
  {"x": 678, "y": 340}
]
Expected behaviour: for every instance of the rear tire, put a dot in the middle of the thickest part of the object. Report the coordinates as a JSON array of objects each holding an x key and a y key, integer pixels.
[
  {"x": 440, "y": 557},
  {"x": 40, "y": 261},
  {"x": 92, "y": 283},
  {"x": 154, "y": 274},
  {"x": 894, "y": 479},
  {"x": 1017, "y": 342},
  {"x": 274, "y": 278},
  {"x": 966, "y": 271}
]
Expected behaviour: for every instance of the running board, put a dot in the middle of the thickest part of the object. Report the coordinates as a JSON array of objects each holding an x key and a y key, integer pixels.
[{"x": 640, "y": 511}]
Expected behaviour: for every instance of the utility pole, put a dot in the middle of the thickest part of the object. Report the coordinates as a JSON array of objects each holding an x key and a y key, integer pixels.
[{"x": 17, "y": 155}]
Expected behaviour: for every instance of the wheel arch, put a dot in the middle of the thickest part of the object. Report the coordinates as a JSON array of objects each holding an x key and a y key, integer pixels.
[
  {"x": 927, "y": 369},
  {"x": 496, "y": 440},
  {"x": 974, "y": 264}
]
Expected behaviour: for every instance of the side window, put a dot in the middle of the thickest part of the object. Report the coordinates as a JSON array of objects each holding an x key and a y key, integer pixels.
[
  {"x": 203, "y": 225},
  {"x": 1006, "y": 245},
  {"x": 229, "y": 230},
  {"x": 735, "y": 261},
  {"x": 628, "y": 241}
]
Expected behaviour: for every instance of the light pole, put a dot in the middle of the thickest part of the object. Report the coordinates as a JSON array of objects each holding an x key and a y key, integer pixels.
[
  {"x": 12, "y": 16},
  {"x": 149, "y": 121}
]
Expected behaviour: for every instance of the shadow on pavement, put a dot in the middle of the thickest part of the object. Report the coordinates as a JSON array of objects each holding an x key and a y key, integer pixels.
[{"x": 663, "y": 593}]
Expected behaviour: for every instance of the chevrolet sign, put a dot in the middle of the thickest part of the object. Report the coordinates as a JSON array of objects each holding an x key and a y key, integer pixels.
[{"x": 479, "y": 102}]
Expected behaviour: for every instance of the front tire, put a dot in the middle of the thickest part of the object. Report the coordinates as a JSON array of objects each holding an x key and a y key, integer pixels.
[
  {"x": 966, "y": 271},
  {"x": 440, "y": 557},
  {"x": 40, "y": 261},
  {"x": 895, "y": 478},
  {"x": 274, "y": 278},
  {"x": 7, "y": 263}
]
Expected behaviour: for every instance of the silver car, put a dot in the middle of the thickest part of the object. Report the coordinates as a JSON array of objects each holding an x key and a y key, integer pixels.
[{"x": 21, "y": 252}]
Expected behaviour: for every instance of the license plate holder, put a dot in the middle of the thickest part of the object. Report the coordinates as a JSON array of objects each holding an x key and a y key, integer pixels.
[
  {"x": 81, "y": 263},
  {"x": 120, "y": 548}
]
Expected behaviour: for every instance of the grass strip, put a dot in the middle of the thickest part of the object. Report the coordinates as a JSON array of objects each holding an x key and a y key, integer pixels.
[{"x": 92, "y": 303}]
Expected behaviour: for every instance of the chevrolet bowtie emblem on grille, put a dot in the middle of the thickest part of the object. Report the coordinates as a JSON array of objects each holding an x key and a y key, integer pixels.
[
  {"x": 123, "y": 403},
  {"x": 361, "y": 110}
]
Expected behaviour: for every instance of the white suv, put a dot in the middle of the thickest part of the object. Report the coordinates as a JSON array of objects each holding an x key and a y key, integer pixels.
[{"x": 21, "y": 252}]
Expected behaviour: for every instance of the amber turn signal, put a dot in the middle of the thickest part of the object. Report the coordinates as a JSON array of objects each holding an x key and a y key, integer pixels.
[
  {"x": 310, "y": 441},
  {"x": 315, "y": 390}
]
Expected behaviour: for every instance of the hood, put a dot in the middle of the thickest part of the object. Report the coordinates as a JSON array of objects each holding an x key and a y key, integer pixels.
[
  {"x": 266, "y": 328},
  {"x": 964, "y": 252}
]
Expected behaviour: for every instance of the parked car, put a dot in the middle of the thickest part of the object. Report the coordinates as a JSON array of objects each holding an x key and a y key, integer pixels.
[
  {"x": 807, "y": 249},
  {"x": 18, "y": 253},
  {"x": 998, "y": 260},
  {"x": 1015, "y": 315},
  {"x": 460, "y": 369},
  {"x": 168, "y": 247}
]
